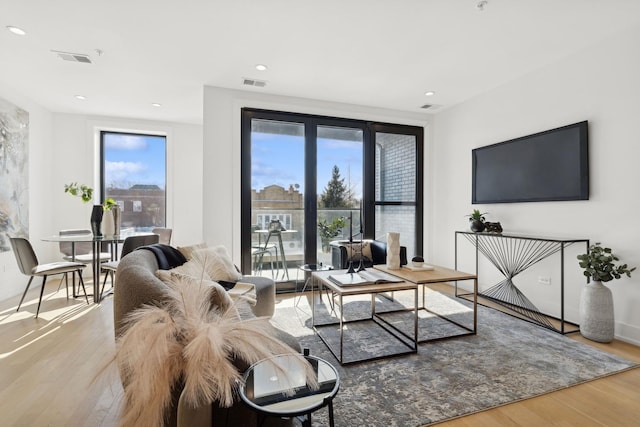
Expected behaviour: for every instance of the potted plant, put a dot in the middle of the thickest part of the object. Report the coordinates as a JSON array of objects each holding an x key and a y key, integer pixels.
[
  {"x": 329, "y": 231},
  {"x": 476, "y": 220},
  {"x": 596, "y": 300}
]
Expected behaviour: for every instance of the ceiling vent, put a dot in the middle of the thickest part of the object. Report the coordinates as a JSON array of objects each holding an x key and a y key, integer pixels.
[
  {"x": 253, "y": 82},
  {"x": 73, "y": 57},
  {"x": 430, "y": 106}
]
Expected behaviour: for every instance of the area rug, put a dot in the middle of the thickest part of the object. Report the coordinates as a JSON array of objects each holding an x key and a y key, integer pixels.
[{"x": 508, "y": 360}]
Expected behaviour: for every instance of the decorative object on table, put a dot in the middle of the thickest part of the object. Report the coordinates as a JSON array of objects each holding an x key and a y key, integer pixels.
[
  {"x": 476, "y": 221},
  {"x": 96, "y": 220},
  {"x": 492, "y": 227},
  {"x": 186, "y": 340},
  {"x": 83, "y": 191},
  {"x": 117, "y": 219},
  {"x": 417, "y": 261},
  {"x": 329, "y": 231},
  {"x": 111, "y": 218},
  {"x": 393, "y": 251},
  {"x": 596, "y": 302}
]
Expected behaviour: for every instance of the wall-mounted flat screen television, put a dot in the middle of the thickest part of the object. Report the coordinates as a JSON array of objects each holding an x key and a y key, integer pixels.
[{"x": 547, "y": 166}]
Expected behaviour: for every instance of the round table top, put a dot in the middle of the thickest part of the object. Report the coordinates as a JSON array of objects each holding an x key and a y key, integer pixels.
[
  {"x": 278, "y": 385},
  {"x": 316, "y": 267}
]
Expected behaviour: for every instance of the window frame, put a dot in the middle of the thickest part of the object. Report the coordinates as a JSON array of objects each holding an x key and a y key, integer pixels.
[
  {"x": 311, "y": 123},
  {"x": 102, "y": 183}
]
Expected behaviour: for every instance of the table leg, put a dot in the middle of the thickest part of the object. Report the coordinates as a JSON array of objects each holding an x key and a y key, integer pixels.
[
  {"x": 96, "y": 270},
  {"x": 330, "y": 407}
]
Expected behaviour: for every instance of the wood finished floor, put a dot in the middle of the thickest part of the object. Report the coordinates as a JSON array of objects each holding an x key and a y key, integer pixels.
[{"x": 55, "y": 371}]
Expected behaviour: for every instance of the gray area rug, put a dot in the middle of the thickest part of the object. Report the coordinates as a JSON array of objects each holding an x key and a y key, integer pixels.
[{"x": 508, "y": 360}]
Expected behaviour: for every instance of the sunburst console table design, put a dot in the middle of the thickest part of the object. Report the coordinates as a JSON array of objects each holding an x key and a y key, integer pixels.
[{"x": 511, "y": 255}]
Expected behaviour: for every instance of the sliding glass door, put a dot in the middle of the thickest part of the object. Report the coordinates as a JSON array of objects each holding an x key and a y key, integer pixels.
[{"x": 304, "y": 185}]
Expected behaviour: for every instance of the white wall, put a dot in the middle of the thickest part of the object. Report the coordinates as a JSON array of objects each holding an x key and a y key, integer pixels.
[
  {"x": 63, "y": 149},
  {"x": 12, "y": 281},
  {"x": 75, "y": 139},
  {"x": 600, "y": 84},
  {"x": 222, "y": 150}
]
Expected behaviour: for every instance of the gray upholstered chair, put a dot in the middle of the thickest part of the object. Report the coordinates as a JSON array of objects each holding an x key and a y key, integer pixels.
[
  {"x": 83, "y": 250},
  {"x": 130, "y": 244},
  {"x": 164, "y": 233},
  {"x": 80, "y": 251},
  {"x": 29, "y": 266}
]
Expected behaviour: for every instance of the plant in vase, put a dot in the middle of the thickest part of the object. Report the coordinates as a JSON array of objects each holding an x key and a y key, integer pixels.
[
  {"x": 110, "y": 217},
  {"x": 596, "y": 301},
  {"x": 476, "y": 221}
]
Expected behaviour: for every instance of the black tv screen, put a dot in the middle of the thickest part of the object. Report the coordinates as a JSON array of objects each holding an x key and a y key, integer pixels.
[{"x": 547, "y": 166}]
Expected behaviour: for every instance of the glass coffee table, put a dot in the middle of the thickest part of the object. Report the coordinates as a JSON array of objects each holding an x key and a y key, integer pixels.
[{"x": 278, "y": 387}]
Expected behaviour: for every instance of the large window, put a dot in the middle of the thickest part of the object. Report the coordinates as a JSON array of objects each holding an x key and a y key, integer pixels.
[
  {"x": 324, "y": 179},
  {"x": 133, "y": 173}
]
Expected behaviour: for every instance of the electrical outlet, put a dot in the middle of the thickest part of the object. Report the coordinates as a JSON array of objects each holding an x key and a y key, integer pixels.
[{"x": 544, "y": 280}]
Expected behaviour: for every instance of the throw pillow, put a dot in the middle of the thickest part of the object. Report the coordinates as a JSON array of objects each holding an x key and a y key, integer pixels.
[
  {"x": 357, "y": 252},
  {"x": 191, "y": 268},
  {"x": 217, "y": 264},
  {"x": 187, "y": 251}
]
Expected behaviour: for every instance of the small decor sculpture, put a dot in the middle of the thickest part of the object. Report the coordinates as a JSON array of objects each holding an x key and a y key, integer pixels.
[{"x": 492, "y": 227}]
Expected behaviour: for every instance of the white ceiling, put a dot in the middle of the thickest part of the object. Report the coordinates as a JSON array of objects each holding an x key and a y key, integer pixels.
[{"x": 380, "y": 53}]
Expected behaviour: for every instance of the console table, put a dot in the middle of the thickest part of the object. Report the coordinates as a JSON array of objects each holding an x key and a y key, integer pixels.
[{"x": 512, "y": 254}]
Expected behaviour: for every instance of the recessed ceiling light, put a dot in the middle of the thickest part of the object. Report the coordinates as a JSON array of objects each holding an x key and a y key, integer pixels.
[
  {"x": 155, "y": 104},
  {"x": 429, "y": 93},
  {"x": 261, "y": 67},
  {"x": 81, "y": 97},
  {"x": 16, "y": 30}
]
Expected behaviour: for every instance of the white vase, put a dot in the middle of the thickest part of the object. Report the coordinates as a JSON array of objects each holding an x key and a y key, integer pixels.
[
  {"x": 596, "y": 312},
  {"x": 108, "y": 224},
  {"x": 393, "y": 251}
]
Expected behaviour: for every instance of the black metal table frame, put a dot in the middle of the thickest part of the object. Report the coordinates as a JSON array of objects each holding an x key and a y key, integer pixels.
[
  {"x": 304, "y": 415},
  {"x": 470, "y": 331},
  {"x": 410, "y": 342},
  {"x": 529, "y": 251}
]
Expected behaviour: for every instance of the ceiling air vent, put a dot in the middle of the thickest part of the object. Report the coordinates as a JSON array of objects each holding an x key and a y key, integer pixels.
[
  {"x": 253, "y": 82},
  {"x": 430, "y": 106},
  {"x": 73, "y": 57}
]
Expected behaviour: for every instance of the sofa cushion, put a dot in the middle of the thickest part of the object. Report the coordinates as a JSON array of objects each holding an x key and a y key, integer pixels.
[
  {"x": 187, "y": 251},
  {"x": 217, "y": 263}
]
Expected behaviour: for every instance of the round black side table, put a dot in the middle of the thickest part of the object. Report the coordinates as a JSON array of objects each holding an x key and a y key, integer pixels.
[{"x": 278, "y": 387}]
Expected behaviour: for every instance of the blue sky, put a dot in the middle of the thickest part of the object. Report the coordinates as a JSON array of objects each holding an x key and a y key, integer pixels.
[
  {"x": 279, "y": 159},
  {"x": 135, "y": 159}
]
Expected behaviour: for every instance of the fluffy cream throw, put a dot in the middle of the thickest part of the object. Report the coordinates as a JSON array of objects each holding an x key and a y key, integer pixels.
[{"x": 186, "y": 339}]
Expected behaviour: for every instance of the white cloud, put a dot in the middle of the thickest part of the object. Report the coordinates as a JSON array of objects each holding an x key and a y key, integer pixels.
[
  {"x": 124, "y": 170},
  {"x": 125, "y": 142}
]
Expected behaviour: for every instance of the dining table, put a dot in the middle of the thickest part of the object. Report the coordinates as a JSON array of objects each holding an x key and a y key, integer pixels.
[{"x": 98, "y": 241}]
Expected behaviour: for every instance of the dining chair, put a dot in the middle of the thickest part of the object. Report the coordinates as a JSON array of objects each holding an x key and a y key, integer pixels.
[
  {"x": 29, "y": 266},
  {"x": 164, "y": 233},
  {"x": 83, "y": 250},
  {"x": 130, "y": 244}
]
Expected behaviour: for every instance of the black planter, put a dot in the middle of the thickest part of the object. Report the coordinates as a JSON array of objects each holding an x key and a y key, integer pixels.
[
  {"x": 477, "y": 226},
  {"x": 96, "y": 220}
]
